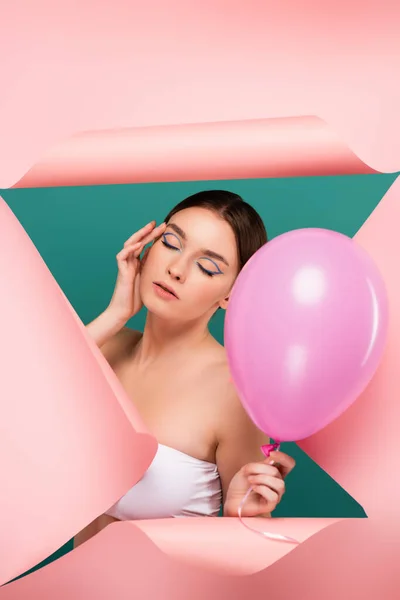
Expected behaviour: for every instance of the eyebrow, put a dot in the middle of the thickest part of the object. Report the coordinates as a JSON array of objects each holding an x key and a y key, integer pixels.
[{"x": 206, "y": 252}]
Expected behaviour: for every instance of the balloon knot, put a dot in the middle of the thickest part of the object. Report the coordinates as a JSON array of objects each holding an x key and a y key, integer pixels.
[{"x": 268, "y": 448}]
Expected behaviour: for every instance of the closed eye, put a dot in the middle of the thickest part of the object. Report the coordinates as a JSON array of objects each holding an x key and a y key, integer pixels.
[
  {"x": 208, "y": 272},
  {"x": 167, "y": 244}
]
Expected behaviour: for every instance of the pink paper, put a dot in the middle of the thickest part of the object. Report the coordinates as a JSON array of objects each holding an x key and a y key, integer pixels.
[
  {"x": 118, "y": 65},
  {"x": 155, "y": 91},
  {"x": 71, "y": 443},
  {"x": 354, "y": 558},
  {"x": 243, "y": 149}
]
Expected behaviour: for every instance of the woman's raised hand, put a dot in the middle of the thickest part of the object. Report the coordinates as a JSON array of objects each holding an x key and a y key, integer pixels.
[{"x": 126, "y": 301}]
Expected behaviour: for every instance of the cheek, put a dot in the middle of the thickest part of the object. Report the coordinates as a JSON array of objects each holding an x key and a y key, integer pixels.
[
  {"x": 151, "y": 261},
  {"x": 209, "y": 290}
]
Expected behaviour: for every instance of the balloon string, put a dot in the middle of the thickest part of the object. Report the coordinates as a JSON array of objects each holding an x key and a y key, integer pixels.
[{"x": 266, "y": 449}]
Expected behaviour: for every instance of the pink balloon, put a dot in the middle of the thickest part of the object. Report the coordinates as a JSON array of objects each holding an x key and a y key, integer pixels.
[{"x": 305, "y": 331}]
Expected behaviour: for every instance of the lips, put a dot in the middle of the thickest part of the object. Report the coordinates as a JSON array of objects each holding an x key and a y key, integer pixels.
[{"x": 166, "y": 288}]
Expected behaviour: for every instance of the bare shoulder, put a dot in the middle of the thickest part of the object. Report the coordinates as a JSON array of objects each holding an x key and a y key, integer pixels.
[
  {"x": 232, "y": 417},
  {"x": 119, "y": 347},
  {"x": 220, "y": 378}
]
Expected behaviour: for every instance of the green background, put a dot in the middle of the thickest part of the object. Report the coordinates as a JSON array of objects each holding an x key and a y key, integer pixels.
[{"x": 79, "y": 230}]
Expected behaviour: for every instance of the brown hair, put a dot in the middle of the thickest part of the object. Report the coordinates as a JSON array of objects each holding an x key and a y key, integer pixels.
[{"x": 244, "y": 220}]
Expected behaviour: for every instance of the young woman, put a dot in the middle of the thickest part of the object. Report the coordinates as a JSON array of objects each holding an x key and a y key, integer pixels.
[{"x": 177, "y": 374}]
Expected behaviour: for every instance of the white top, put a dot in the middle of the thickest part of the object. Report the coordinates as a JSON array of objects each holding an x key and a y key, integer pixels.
[{"x": 175, "y": 485}]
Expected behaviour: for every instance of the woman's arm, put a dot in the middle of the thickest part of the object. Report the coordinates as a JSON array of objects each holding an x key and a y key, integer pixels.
[
  {"x": 241, "y": 464},
  {"x": 105, "y": 326},
  {"x": 126, "y": 301}
]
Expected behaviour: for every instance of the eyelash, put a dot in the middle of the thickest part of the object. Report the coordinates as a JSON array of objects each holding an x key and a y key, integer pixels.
[
  {"x": 208, "y": 273},
  {"x": 205, "y": 271},
  {"x": 169, "y": 245}
]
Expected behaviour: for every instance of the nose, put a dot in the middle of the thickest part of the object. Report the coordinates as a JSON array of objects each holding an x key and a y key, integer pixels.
[
  {"x": 176, "y": 271},
  {"x": 175, "y": 274}
]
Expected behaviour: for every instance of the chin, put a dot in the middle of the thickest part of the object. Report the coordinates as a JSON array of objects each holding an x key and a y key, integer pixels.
[
  {"x": 164, "y": 313},
  {"x": 159, "y": 307},
  {"x": 155, "y": 308}
]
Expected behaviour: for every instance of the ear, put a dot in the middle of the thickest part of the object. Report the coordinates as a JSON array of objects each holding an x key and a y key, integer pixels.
[{"x": 224, "y": 303}]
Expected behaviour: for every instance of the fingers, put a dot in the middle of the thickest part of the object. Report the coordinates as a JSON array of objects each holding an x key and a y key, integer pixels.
[
  {"x": 148, "y": 232},
  {"x": 277, "y": 485},
  {"x": 129, "y": 250},
  {"x": 286, "y": 463},
  {"x": 157, "y": 231},
  {"x": 143, "y": 237},
  {"x": 266, "y": 480},
  {"x": 261, "y": 468},
  {"x": 138, "y": 235},
  {"x": 270, "y": 496}
]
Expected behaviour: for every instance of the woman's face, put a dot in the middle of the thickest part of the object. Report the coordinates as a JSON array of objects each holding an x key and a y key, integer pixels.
[{"x": 196, "y": 259}]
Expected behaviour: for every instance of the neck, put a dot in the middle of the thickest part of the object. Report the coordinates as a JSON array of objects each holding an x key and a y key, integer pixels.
[{"x": 160, "y": 336}]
